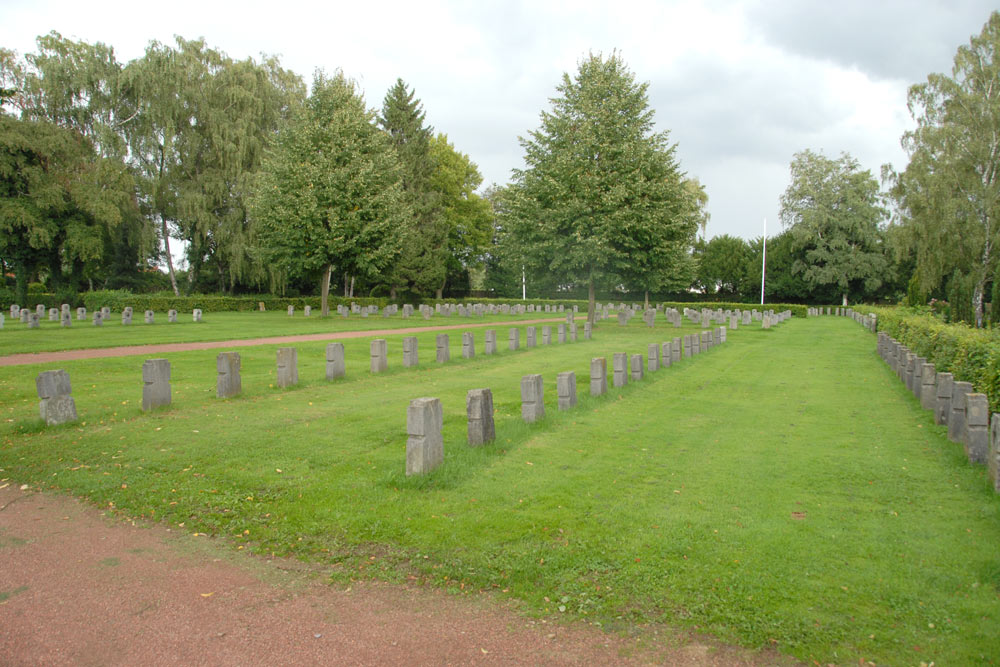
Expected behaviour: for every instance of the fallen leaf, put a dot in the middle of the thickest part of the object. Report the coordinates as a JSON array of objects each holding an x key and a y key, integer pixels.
[{"x": 208, "y": 595}]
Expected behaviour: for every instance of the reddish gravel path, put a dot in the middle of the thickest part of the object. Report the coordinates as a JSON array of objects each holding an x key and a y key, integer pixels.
[
  {"x": 135, "y": 350},
  {"x": 77, "y": 588}
]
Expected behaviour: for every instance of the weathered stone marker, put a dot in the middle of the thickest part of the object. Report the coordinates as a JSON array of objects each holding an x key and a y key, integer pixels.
[
  {"x": 57, "y": 405},
  {"x": 977, "y": 425},
  {"x": 33, "y": 320},
  {"x": 572, "y": 332},
  {"x": 532, "y": 398},
  {"x": 307, "y": 311},
  {"x": 598, "y": 376},
  {"x": 172, "y": 316},
  {"x": 379, "y": 350},
  {"x": 424, "y": 442},
  {"x": 956, "y": 418},
  {"x": 566, "y": 390},
  {"x": 288, "y": 367},
  {"x": 636, "y": 362},
  {"x": 155, "y": 383},
  {"x": 291, "y": 311},
  {"x": 546, "y": 335},
  {"x": 98, "y": 318},
  {"x": 443, "y": 354},
  {"x": 228, "y": 383},
  {"x": 53, "y": 314},
  {"x": 514, "y": 339},
  {"x": 688, "y": 346},
  {"x": 127, "y": 315},
  {"x": 148, "y": 317},
  {"x": 411, "y": 356},
  {"x": 588, "y": 330},
  {"x": 530, "y": 331},
  {"x": 928, "y": 387},
  {"x": 64, "y": 319},
  {"x": 490, "y": 342},
  {"x": 468, "y": 345},
  {"x": 942, "y": 407},
  {"x": 993, "y": 457},
  {"x": 479, "y": 409},
  {"x": 619, "y": 368},
  {"x": 196, "y": 314},
  {"x": 654, "y": 357},
  {"x": 675, "y": 349},
  {"x": 335, "y": 366},
  {"x": 81, "y": 314},
  {"x": 666, "y": 355}
]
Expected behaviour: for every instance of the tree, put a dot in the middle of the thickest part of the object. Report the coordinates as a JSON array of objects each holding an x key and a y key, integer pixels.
[
  {"x": 329, "y": 195},
  {"x": 722, "y": 265},
  {"x": 600, "y": 196},
  {"x": 948, "y": 196},
  {"x": 833, "y": 212}
]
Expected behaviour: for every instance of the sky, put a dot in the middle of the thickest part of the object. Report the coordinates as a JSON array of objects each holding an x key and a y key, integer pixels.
[{"x": 740, "y": 86}]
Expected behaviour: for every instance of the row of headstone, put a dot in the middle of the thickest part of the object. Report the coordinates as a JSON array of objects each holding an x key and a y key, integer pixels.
[
  {"x": 32, "y": 319},
  {"x": 446, "y": 309},
  {"x": 954, "y": 403}
]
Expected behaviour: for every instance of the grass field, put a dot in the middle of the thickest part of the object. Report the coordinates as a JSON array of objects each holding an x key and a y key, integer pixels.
[{"x": 782, "y": 490}]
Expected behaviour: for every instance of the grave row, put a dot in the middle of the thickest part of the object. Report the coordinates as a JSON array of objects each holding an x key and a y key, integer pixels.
[
  {"x": 445, "y": 309},
  {"x": 34, "y": 317},
  {"x": 869, "y": 322},
  {"x": 955, "y": 404},
  {"x": 424, "y": 416}
]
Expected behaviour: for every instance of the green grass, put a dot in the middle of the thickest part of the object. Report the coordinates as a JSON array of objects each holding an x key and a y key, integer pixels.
[
  {"x": 17, "y": 338},
  {"x": 782, "y": 490}
]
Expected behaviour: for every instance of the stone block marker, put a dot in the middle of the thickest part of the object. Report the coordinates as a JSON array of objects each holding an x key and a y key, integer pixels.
[
  {"x": 442, "y": 348},
  {"x": 654, "y": 357},
  {"x": 666, "y": 354},
  {"x": 291, "y": 311},
  {"x": 40, "y": 310},
  {"x": 588, "y": 330},
  {"x": 688, "y": 346},
  {"x": 379, "y": 350},
  {"x": 572, "y": 332},
  {"x": 33, "y": 320},
  {"x": 148, "y": 316},
  {"x": 675, "y": 349},
  {"x": 196, "y": 314},
  {"x": 155, "y": 384},
  {"x": 993, "y": 456},
  {"x": 514, "y": 339},
  {"x": 53, "y": 314},
  {"x": 172, "y": 316},
  {"x": 468, "y": 345},
  {"x": 288, "y": 367},
  {"x": 956, "y": 418},
  {"x": 228, "y": 383},
  {"x": 24, "y": 315},
  {"x": 977, "y": 427},
  {"x": 918, "y": 371},
  {"x": 928, "y": 387},
  {"x": 127, "y": 315},
  {"x": 411, "y": 356},
  {"x": 81, "y": 314},
  {"x": 15, "y": 311},
  {"x": 56, "y": 405},
  {"x": 619, "y": 369},
  {"x": 546, "y": 335},
  {"x": 489, "y": 342},
  {"x": 636, "y": 361},
  {"x": 530, "y": 335},
  {"x": 98, "y": 318},
  {"x": 424, "y": 442},
  {"x": 566, "y": 390},
  {"x": 335, "y": 366},
  {"x": 479, "y": 409},
  {"x": 532, "y": 398},
  {"x": 64, "y": 319},
  {"x": 561, "y": 333},
  {"x": 598, "y": 376},
  {"x": 307, "y": 311}
]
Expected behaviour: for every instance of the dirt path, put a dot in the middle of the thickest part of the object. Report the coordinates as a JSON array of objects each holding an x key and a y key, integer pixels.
[
  {"x": 160, "y": 348},
  {"x": 77, "y": 588}
]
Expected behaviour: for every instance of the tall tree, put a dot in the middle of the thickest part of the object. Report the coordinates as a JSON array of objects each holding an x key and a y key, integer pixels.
[
  {"x": 722, "y": 264},
  {"x": 421, "y": 266},
  {"x": 833, "y": 212},
  {"x": 329, "y": 195},
  {"x": 600, "y": 187},
  {"x": 949, "y": 194}
]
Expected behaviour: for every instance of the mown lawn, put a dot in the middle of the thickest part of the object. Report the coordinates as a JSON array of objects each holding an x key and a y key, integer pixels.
[{"x": 782, "y": 490}]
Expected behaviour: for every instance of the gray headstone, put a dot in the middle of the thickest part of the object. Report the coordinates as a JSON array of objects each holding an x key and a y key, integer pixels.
[
  {"x": 196, "y": 314},
  {"x": 148, "y": 317},
  {"x": 424, "y": 442},
  {"x": 588, "y": 330},
  {"x": 956, "y": 418},
  {"x": 993, "y": 458},
  {"x": 490, "y": 344},
  {"x": 572, "y": 332},
  {"x": 127, "y": 316},
  {"x": 546, "y": 335},
  {"x": 64, "y": 308},
  {"x": 977, "y": 425},
  {"x": 566, "y": 390},
  {"x": 411, "y": 352},
  {"x": 81, "y": 314},
  {"x": 335, "y": 365},
  {"x": 654, "y": 357},
  {"x": 172, "y": 316},
  {"x": 675, "y": 349},
  {"x": 561, "y": 333},
  {"x": 53, "y": 314},
  {"x": 33, "y": 320},
  {"x": 291, "y": 311},
  {"x": 105, "y": 312},
  {"x": 307, "y": 311},
  {"x": 443, "y": 354},
  {"x": 98, "y": 318},
  {"x": 514, "y": 339},
  {"x": 918, "y": 379},
  {"x": 479, "y": 409},
  {"x": 228, "y": 382},
  {"x": 530, "y": 331},
  {"x": 288, "y": 366},
  {"x": 64, "y": 318},
  {"x": 379, "y": 350},
  {"x": 619, "y": 369},
  {"x": 928, "y": 387},
  {"x": 688, "y": 345},
  {"x": 56, "y": 405},
  {"x": 637, "y": 367},
  {"x": 468, "y": 345},
  {"x": 598, "y": 376},
  {"x": 532, "y": 398},
  {"x": 155, "y": 383},
  {"x": 15, "y": 311}
]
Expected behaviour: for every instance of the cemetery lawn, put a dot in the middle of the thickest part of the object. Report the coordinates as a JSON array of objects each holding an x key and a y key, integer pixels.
[
  {"x": 17, "y": 338},
  {"x": 782, "y": 491}
]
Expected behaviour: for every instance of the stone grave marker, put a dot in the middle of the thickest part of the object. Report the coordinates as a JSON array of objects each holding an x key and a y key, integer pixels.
[
  {"x": 514, "y": 339},
  {"x": 98, "y": 318},
  {"x": 490, "y": 342},
  {"x": 81, "y": 314},
  {"x": 155, "y": 384},
  {"x": 636, "y": 361},
  {"x": 442, "y": 348},
  {"x": 531, "y": 336},
  {"x": 335, "y": 364},
  {"x": 977, "y": 425},
  {"x": 288, "y": 366},
  {"x": 64, "y": 318},
  {"x": 53, "y": 314},
  {"x": 654, "y": 357},
  {"x": 148, "y": 317},
  {"x": 546, "y": 335},
  {"x": 598, "y": 376},
  {"x": 566, "y": 390},
  {"x": 942, "y": 408},
  {"x": 172, "y": 316},
  {"x": 619, "y": 369},
  {"x": 56, "y": 405},
  {"x": 379, "y": 350},
  {"x": 127, "y": 315},
  {"x": 291, "y": 311},
  {"x": 307, "y": 311},
  {"x": 33, "y": 320},
  {"x": 196, "y": 314},
  {"x": 411, "y": 356},
  {"x": 532, "y": 398},
  {"x": 588, "y": 330},
  {"x": 561, "y": 333},
  {"x": 468, "y": 345},
  {"x": 228, "y": 382},
  {"x": 993, "y": 456},
  {"x": 956, "y": 418},
  {"x": 424, "y": 442},
  {"x": 479, "y": 410},
  {"x": 928, "y": 387}
]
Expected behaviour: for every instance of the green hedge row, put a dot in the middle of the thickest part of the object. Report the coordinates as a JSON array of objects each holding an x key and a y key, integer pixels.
[{"x": 971, "y": 355}]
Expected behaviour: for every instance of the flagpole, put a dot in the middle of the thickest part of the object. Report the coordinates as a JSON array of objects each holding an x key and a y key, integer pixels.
[{"x": 763, "y": 264}]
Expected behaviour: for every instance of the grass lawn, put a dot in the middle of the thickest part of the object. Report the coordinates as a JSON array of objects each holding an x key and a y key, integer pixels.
[{"x": 782, "y": 490}]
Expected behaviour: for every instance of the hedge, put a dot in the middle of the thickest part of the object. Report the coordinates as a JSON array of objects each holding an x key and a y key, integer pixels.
[{"x": 971, "y": 355}]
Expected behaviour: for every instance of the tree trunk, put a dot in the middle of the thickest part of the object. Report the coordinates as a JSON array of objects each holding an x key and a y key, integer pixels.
[
  {"x": 352, "y": 287},
  {"x": 591, "y": 302},
  {"x": 844, "y": 300},
  {"x": 170, "y": 260},
  {"x": 977, "y": 302},
  {"x": 21, "y": 283},
  {"x": 645, "y": 303},
  {"x": 325, "y": 299},
  {"x": 440, "y": 290}
]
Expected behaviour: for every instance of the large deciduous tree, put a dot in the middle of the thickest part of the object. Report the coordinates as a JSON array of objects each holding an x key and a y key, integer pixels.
[
  {"x": 949, "y": 194},
  {"x": 329, "y": 195},
  {"x": 833, "y": 212},
  {"x": 601, "y": 197},
  {"x": 722, "y": 265}
]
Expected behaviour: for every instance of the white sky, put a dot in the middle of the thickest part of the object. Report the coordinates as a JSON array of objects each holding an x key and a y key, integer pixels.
[{"x": 741, "y": 86}]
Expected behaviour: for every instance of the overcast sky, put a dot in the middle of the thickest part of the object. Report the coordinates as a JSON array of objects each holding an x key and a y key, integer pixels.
[{"x": 741, "y": 86}]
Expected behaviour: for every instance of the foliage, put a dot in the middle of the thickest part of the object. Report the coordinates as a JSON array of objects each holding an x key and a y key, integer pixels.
[
  {"x": 949, "y": 194},
  {"x": 723, "y": 264},
  {"x": 329, "y": 193},
  {"x": 600, "y": 198},
  {"x": 833, "y": 212}
]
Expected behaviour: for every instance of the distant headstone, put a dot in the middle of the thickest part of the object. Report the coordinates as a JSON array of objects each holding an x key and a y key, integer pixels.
[
  {"x": 598, "y": 376},
  {"x": 98, "y": 318},
  {"x": 637, "y": 367},
  {"x": 172, "y": 316},
  {"x": 546, "y": 335},
  {"x": 56, "y": 405},
  {"x": 479, "y": 409},
  {"x": 490, "y": 343},
  {"x": 531, "y": 336},
  {"x": 532, "y": 395},
  {"x": 442, "y": 348},
  {"x": 53, "y": 314},
  {"x": 468, "y": 345},
  {"x": 196, "y": 314},
  {"x": 335, "y": 366},
  {"x": 411, "y": 353},
  {"x": 572, "y": 332},
  {"x": 288, "y": 366},
  {"x": 15, "y": 311},
  {"x": 155, "y": 383},
  {"x": 993, "y": 457},
  {"x": 561, "y": 333},
  {"x": 619, "y": 362},
  {"x": 127, "y": 315},
  {"x": 588, "y": 330},
  {"x": 424, "y": 442},
  {"x": 942, "y": 407},
  {"x": 379, "y": 350},
  {"x": 307, "y": 311},
  {"x": 291, "y": 311},
  {"x": 81, "y": 314},
  {"x": 64, "y": 318},
  {"x": 566, "y": 390},
  {"x": 956, "y": 418},
  {"x": 654, "y": 357},
  {"x": 228, "y": 382},
  {"x": 148, "y": 317},
  {"x": 977, "y": 425},
  {"x": 261, "y": 307},
  {"x": 24, "y": 314},
  {"x": 33, "y": 320},
  {"x": 928, "y": 387},
  {"x": 514, "y": 339}
]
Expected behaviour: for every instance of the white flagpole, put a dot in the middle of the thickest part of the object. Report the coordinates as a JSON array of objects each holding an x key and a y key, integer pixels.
[{"x": 763, "y": 264}]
